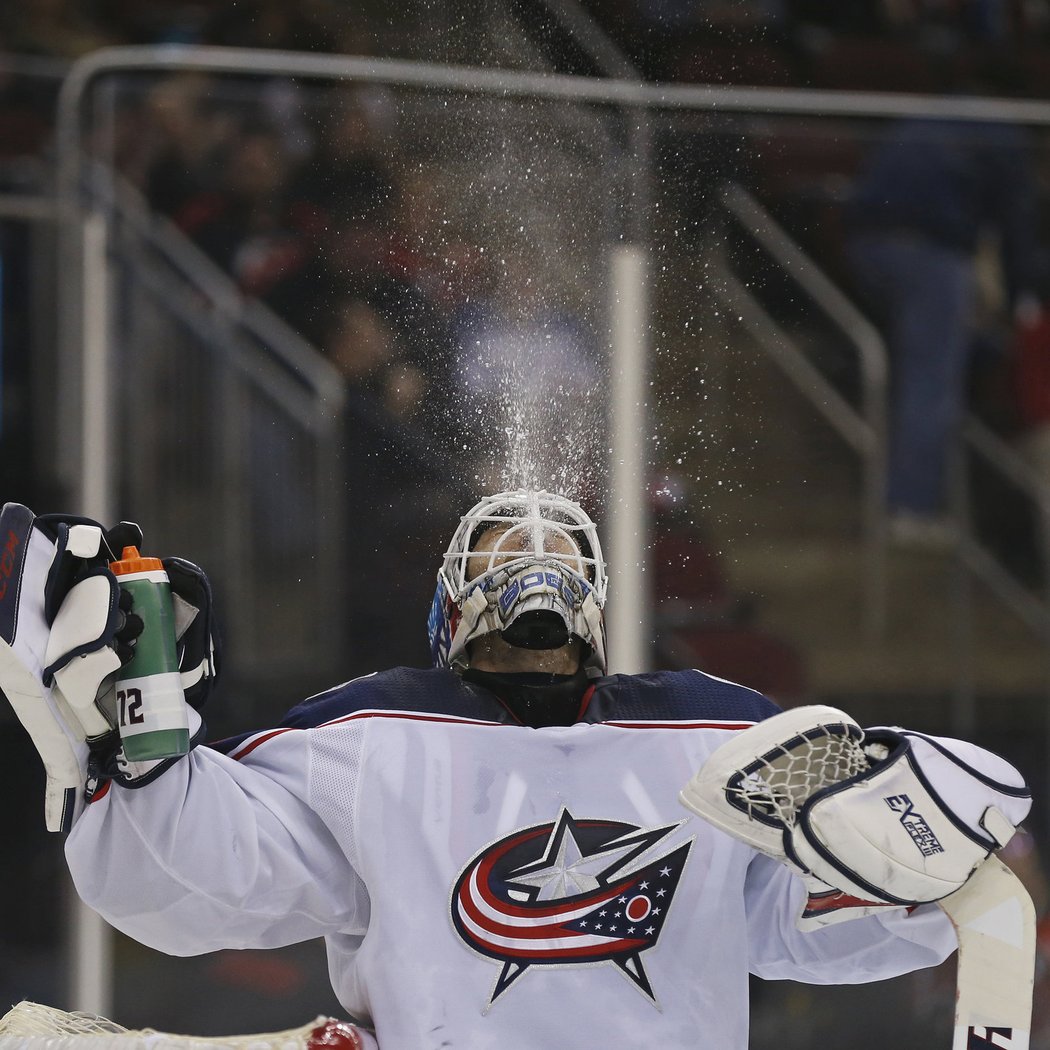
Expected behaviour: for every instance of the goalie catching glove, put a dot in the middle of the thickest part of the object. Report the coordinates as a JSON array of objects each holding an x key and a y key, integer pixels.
[
  {"x": 868, "y": 818},
  {"x": 66, "y": 628}
]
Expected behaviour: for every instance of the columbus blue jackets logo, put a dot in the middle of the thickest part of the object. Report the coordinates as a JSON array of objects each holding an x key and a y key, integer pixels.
[{"x": 568, "y": 893}]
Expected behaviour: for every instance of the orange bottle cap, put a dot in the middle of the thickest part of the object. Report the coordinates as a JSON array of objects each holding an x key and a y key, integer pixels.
[{"x": 131, "y": 561}]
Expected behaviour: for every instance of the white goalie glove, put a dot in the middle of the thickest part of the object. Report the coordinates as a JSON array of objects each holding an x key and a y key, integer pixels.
[
  {"x": 66, "y": 627},
  {"x": 868, "y": 818}
]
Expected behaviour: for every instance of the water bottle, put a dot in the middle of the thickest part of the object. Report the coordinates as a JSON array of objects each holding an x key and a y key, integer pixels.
[{"x": 151, "y": 706}]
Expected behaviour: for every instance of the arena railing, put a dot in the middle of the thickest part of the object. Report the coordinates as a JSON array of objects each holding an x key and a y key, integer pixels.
[
  {"x": 262, "y": 360},
  {"x": 627, "y": 520},
  {"x": 863, "y": 429}
]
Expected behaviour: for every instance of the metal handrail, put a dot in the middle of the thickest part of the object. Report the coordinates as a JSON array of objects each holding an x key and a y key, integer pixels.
[
  {"x": 785, "y": 351},
  {"x": 1031, "y": 608},
  {"x": 603, "y": 51},
  {"x": 865, "y": 431},
  {"x": 865, "y": 337},
  {"x": 294, "y": 354},
  {"x": 612, "y": 63},
  {"x": 502, "y": 83}
]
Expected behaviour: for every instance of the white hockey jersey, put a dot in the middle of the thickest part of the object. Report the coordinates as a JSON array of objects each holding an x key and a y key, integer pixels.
[{"x": 481, "y": 884}]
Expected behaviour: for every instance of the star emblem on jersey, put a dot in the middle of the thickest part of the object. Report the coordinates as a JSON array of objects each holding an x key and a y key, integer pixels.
[{"x": 567, "y": 893}]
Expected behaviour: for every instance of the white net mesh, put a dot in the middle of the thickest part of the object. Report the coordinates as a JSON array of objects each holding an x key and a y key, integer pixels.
[
  {"x": 774, "y": 787},
  {"x": 32, "y": 1026}
]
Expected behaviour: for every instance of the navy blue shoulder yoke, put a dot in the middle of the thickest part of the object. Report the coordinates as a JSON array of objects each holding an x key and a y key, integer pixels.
[
  {"x": 660, "y": 696},
  {"x": 676, "y": 696}
]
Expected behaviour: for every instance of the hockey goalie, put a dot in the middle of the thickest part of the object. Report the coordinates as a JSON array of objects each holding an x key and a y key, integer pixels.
[{"x": 495, "y": 848}]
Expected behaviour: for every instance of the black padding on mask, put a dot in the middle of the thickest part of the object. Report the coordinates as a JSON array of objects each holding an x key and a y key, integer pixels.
[{"x": 537, "y": 629}]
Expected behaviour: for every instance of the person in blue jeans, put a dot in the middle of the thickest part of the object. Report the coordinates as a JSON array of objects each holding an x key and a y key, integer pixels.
[{"x": 927, "y": 194}]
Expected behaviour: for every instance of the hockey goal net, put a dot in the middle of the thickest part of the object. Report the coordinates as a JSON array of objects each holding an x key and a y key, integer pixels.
[{"x": 32, "y": 1026}]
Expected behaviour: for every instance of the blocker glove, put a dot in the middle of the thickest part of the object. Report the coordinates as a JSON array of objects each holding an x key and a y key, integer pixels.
[{"x": 66, "y": 628}]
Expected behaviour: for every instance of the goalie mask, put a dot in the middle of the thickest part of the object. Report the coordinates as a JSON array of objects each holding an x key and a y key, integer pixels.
[{"x": 527, "y": 564}]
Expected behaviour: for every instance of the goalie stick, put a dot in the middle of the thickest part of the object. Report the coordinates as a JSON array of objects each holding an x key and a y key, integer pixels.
[
  {"x": 994, "y": 920},
  {"x": 754, "y": 787}
]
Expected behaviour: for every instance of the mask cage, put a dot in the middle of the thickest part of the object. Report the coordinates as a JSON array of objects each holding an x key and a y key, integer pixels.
[{"x": 532, "y": 520}]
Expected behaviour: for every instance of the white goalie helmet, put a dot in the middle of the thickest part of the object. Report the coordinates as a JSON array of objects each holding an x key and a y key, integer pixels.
[{"x": 538, "y": 579}]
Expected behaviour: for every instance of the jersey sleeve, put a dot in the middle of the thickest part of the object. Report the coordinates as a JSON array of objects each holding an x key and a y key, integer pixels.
[
  {"x": 872, "y": 948},
  {"x": 218, "y": 853}
]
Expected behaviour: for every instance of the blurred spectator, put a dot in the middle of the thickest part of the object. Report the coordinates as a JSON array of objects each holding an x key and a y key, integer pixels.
[
  {"x": 364, "y": 347},
  {"x": 392, "y": 448},
  {"x": 344, "y": 193},
  {"x": 349, "y": 202},
  {"x": 306, "y": 295},
  {"x": 435, "y": 250},
  {"x": 1032, "y": 379},
  {"x": 273, "y": 24},
  {"x": 349, "y": 174},
  {"x": 53, "y": 28},
  {"x": 248, "y": 223},
  {"x": 928, "y": 192},
  {"x": 180, "y": 139}
]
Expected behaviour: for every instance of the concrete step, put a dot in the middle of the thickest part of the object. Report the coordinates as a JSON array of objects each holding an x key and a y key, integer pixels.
[{"x": 811, "y": 593}]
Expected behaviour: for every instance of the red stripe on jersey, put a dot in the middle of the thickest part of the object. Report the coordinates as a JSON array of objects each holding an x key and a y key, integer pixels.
[
  {"x": 539, "y": 931},
  {"x": 412, "y": 717},
  {"x": 248, "y": 747},
  {"x": 679, "y": 725},
  {"x": 613, "y": 947},
  {"x": 251, "y": 745}
]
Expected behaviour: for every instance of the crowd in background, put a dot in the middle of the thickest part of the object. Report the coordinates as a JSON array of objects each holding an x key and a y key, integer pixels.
[
  {"x": 297, "y": 197},
  {"x": 658, "y": 34}
]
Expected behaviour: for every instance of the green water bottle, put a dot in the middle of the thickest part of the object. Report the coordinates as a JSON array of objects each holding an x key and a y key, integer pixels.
[{"x": 151, "y": 706}]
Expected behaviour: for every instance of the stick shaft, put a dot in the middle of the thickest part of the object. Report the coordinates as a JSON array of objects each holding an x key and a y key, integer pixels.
[{"x": 994, "y": 920}]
